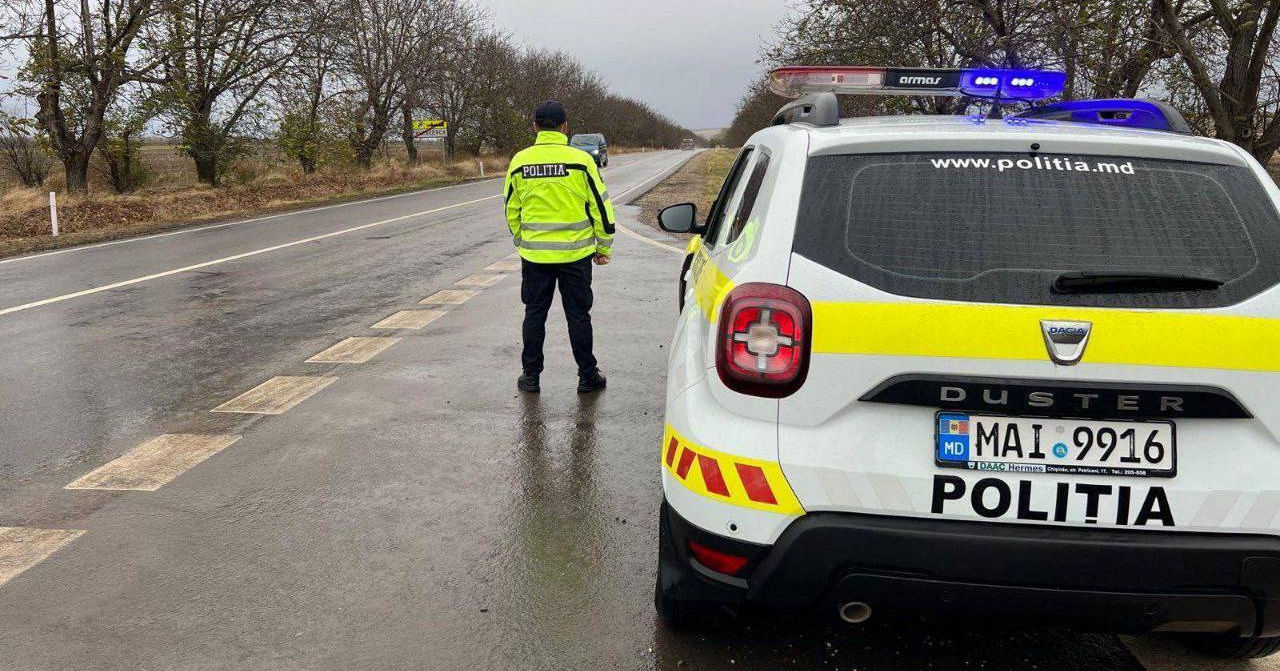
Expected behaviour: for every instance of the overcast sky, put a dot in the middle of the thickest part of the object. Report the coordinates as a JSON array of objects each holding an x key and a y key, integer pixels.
[{"x": 690, "y": 59}]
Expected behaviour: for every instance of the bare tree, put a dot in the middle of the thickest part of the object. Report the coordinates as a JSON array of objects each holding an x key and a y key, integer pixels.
[
  {"x": 1108, "y": 48},
  {"x": 1216, "y": 58},
  {"x": 498, "y": 122},
  {"x": 218, "y": 56},
  {"x": 121, "y": 144},
  {"x": 387, "y": 42},
  {"x": 457, "y": 82},
  {"x": 16, "y": 24},
  {"x": 1013, "y": 32},
  {"x": 558, "y": 75},
  {"x": 446, "y": 63},
  {"x": 304, "y": 90},
  {"x": 81, "y": 53},
  {"x": 539, "y": 75},
  {"x": 944, "y": 34},
  {"x": 408, "y": 134},
  {"x": 1230, "y": 60}
]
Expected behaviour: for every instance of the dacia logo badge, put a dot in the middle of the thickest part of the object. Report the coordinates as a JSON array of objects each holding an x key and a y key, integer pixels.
[{"x": 1065, "y": 340}]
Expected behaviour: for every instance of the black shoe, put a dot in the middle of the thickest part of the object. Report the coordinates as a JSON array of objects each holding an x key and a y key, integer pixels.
[
  {"x": 591, "y": 382},
  {"x": 528, "y": 384}
]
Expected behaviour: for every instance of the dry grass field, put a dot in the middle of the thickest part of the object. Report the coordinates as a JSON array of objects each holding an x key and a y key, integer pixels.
[{"x": 173, "y": 197}]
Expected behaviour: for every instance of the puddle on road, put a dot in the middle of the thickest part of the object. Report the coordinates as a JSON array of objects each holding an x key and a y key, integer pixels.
[{"x": 571, "y": 584}]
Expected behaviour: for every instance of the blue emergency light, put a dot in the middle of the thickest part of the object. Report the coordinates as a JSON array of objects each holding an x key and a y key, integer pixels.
[{"x": 1012, "y": 85}]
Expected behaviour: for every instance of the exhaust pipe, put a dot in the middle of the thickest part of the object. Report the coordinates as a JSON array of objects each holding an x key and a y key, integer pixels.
[{"x": 855, "y": 612}]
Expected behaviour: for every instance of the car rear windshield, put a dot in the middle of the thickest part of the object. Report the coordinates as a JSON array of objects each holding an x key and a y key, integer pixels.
[{"x": 1001, "y": 228}]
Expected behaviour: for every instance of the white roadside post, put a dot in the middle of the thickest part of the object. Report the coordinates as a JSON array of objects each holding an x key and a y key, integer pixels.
[{"x": 53, "y": 212}]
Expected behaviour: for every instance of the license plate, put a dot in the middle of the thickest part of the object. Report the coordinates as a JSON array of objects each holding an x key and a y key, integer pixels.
[{"x": 1025, "y": 445}]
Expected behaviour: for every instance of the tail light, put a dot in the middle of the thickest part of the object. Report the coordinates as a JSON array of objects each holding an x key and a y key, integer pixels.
[{"x": 763, "y": 343}]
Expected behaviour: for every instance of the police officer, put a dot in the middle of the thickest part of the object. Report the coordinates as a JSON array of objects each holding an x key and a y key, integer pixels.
[{"x": 561, "y": 220}]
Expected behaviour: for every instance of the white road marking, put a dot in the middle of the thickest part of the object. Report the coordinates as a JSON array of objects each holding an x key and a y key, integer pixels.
[
  {"x": 479, "y": 280},
  {"x": 354, "y": 350},
  {"x": 234, "y": 257},
  {"x": 504, "y": 266},
  {"x": 450, "y": 297},
  {"x": 243, "y": 255},
  {"x": 277, "y": 395},
  {"x": 639, "y": 237},
  {"x": 632, "y": 234},
  {"x": 158, "y": 461},
  {"x": 410, "y": 319},
  {"x": 656, "y": 175},
  {"x": 154, "y": 463},
  {"x": 22, "y": 547}
]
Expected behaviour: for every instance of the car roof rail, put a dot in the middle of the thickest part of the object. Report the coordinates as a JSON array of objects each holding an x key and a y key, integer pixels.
[
  {"x": 1119, "y": 112},
  {"x": 819, "y": 109}
]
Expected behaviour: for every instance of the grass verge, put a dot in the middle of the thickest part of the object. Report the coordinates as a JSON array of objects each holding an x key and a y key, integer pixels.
[
  {"x": 97, "y": 217},
  {"x": 697, "y": 181},
  {"x": 257, "y": 188}
]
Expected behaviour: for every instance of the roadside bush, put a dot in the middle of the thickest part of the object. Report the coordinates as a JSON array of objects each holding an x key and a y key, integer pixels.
[
  {"x": 258, "y": 171},
  {"x": 24, "y": 157},
  {"x": 124, "y": 165},
  {"x": 315, "y": 142},
  {"x": 300, "y": 138}
]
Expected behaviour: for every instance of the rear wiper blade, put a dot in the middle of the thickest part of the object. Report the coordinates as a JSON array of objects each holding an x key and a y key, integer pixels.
[{"x": 1094, "y": 282}]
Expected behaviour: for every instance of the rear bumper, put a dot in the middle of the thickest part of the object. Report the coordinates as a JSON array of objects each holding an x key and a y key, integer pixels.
[{"x": 1121, "y": 581}]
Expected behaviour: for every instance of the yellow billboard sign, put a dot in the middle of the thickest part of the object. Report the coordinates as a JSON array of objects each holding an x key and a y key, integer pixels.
[{"x": 436, "y": 125}]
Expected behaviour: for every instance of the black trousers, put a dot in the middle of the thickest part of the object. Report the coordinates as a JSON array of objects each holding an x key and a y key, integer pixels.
[{"x": 537, "y": 290}]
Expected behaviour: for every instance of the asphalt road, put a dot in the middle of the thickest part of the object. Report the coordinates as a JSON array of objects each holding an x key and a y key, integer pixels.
[
  {"x": 83, "y": 377},
  {"x": 409, "y": 512}
]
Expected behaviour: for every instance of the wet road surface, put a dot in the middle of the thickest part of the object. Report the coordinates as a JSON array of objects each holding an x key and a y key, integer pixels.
[
  {"x": 83, "y": 377},
  {"x": 415, "y": 512}
]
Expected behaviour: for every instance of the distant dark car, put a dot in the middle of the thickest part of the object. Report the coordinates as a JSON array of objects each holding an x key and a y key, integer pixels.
[
  {"x": 687, "y": 143},
  {"x": 594, "y": 144}
]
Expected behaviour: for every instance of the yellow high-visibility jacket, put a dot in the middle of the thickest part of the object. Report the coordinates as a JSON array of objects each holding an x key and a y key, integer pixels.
[{"x": 557, "y": 205}]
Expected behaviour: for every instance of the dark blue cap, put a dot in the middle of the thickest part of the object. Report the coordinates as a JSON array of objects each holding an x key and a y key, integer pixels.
[{"x": 549, "y": 114}]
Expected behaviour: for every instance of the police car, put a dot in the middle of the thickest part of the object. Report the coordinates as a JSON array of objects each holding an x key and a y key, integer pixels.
[{"x": 973, "y": 367}]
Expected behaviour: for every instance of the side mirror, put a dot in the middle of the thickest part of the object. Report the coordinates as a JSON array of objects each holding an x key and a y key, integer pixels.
[{"x": 680, "y": 218}]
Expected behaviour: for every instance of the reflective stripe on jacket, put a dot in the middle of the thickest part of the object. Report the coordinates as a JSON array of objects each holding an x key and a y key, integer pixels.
[{"x": 558, "y": 208}]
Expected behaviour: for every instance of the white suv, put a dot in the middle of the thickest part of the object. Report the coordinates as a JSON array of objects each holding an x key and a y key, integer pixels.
[{"x": 1020, "y": 367}]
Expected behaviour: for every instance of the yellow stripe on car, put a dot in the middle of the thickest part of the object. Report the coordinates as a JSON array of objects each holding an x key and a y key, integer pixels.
[
  {"x": 710, "y": 283},
  {"x": 739, "y": 481},
  {"x": 981, "y": 331}
]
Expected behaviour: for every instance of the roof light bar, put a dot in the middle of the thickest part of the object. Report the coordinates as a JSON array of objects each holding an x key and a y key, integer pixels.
[{"x": 792, "y": 81}]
